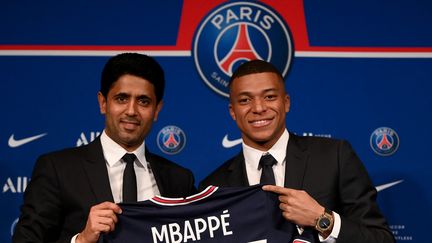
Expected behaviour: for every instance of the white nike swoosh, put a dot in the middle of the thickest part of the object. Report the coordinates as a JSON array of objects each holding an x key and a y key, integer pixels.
[
  {"x": 13, "y": 143},
  {"x": 387, "y": 185},
  {"x": 226, "y": 143}
]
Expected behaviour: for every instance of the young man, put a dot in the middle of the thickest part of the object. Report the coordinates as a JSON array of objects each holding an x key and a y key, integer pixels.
[
  {"x": 73, "y": 192},
  {"x": 321, "y": 182}
]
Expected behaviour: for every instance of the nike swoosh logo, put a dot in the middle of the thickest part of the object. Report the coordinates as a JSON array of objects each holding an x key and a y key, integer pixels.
[
  {"x": 226, "y": 143},
  {"x": 13, "y": 143},
  {"x": 387, "y": 185}
]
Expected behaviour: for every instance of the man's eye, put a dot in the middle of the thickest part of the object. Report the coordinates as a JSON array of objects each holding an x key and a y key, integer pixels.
[
  {"x": 144, "y": 101},
  {"x": 271, "y": 97},
  {"x": 244, "y": 100},
  {"x": 121, "y": 99}
]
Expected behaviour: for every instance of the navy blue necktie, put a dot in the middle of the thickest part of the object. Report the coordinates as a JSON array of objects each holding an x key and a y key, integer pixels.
[
  {"x": 129, "y": 179},
  {"x": 266, "y": 163}
]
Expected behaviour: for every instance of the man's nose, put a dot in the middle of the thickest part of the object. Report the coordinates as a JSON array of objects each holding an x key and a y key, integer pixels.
[
  {"x": 259, "y": 105},
  {"x": 131, "y": 109}
]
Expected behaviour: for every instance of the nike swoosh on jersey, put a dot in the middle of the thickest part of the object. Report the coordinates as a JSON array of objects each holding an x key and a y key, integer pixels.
[
  {"x": 387, "y": 185},
  {"x": 226, "y": 143},
  {"x": 13, "y": 143}
]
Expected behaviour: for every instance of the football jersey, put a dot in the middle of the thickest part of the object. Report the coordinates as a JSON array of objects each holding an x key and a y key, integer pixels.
[{"x": 237, "y": 215}]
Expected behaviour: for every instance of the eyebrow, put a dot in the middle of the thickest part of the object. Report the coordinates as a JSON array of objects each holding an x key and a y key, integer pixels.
[
  {"x": 123, "y": 94},
  {"x": 144, "y": 97},
  {"x": 263, "y": 92}
]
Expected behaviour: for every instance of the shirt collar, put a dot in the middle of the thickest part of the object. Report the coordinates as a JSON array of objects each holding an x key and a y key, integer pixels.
[
  {"x": 278, "y": 151},
  {"x": 113, "y": 152}
]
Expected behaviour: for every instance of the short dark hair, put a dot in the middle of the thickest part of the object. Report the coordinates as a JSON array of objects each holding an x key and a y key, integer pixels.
[
  {"x": 135, "y": 64},
  {"x": 254, "y": 66}
]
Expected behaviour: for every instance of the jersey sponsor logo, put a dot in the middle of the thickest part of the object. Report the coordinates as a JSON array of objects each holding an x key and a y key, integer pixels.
[
  {"x": 16, "y": 185},
  {"x": 227, "y": 143},
  {"x": 384, "y": 141},
  {"x": 84, "y": 140},
  {"x": 171, "y": 140},
  {"x": 387, "y": 185},
  {"x": 236, "y": 32},
  {"x": 14, "y": 143}
]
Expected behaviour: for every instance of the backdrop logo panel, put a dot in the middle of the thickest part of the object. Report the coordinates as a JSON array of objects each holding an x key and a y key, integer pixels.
[
  {"x": 86, "y": 139},
  {"x": 171, "y": 139},
  {"x": 384, "y": 141},
  {"x": 15, "y": 184},
  {"x": 236, "y": 32}
]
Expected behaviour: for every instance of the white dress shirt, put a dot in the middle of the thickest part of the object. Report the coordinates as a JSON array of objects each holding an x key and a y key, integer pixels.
[
  {"x": 278, "y": 151},
  {"x": 146, "y": 183},
  {"x": 252, "y": 157}
]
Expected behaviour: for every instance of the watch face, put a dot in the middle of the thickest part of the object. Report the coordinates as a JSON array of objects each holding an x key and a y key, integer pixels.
[{"x": 324, "y": 223}]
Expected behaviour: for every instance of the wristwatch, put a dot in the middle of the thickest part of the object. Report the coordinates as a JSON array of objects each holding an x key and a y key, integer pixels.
[{"x": 324, "y": 223}]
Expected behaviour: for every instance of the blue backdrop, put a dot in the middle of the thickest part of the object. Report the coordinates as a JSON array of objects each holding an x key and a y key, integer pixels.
[{"x": 359, "y": 71}]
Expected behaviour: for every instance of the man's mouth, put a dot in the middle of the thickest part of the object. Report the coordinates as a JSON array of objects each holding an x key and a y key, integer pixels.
[
  {"x": 130, "y": 124},
  {"x": 261, "y": 122}
]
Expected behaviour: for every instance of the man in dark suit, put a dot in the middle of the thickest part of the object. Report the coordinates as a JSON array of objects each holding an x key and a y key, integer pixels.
[
  {"x": 72, "y": 194},
  {"x": 322, "y": 184}
]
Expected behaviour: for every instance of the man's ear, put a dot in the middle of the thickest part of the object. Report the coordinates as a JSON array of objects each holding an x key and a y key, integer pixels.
[
  {"x": 102, "y": 103},
  {"x": 158, "y": 109},
  {"x": 287, "y": 103},
  {"x": 231, "y": 111}
]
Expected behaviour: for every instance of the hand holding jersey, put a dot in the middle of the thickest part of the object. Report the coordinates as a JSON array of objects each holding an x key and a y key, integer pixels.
[{"x": 102, "y": 219}]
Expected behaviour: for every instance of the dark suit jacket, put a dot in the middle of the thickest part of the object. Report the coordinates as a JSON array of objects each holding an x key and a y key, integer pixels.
[
  {"x": 65, "y": 184},
  {"x": 329, "y": 171}
]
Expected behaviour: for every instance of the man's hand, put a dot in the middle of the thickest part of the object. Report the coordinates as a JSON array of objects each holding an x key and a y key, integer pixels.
[
  {"x": 102, "y": 219},
  {"x": 297, "y": 206}
]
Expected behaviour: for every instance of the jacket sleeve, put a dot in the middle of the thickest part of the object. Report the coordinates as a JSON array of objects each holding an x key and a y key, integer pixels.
[{"x": 41, "y": 212}]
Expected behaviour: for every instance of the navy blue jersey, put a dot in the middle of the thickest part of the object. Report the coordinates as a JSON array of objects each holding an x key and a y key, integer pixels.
[{"x": 238, "y": 215}]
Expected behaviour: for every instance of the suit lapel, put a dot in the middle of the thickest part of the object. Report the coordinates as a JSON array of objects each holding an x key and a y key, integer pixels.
[
  {"x": 296, "y": 160},
  {"x": 158, "y": 172},
  {"x": 237, "y": 171},
  {"x": 97, "y": 174}
]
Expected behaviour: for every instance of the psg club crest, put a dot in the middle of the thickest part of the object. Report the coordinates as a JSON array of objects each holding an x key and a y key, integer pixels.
[
  {"x": 384, "y": 141},
  {"x": 236, "y": 32},
  {"x": 171, "y": 140}
]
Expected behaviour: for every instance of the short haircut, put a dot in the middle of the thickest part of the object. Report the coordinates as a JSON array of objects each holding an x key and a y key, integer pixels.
[
  {"x": 135, "y": 64},
  {"x": 254, "y": 66}
]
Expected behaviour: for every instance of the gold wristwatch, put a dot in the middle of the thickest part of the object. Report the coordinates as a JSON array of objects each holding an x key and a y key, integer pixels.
[{"x": 324, "y": 223}]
